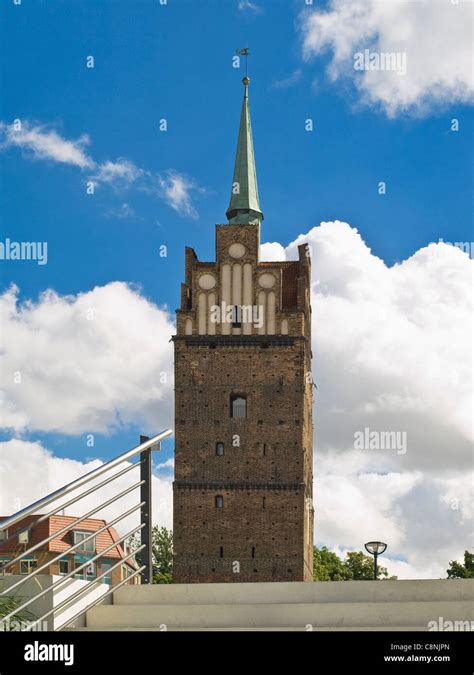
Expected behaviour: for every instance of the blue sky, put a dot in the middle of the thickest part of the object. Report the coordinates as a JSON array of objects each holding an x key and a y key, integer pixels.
[{"x": 175, "y": 61}]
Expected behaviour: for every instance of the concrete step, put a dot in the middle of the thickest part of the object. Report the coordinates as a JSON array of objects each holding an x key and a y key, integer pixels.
[
  {"x": 297, "y": 592},
  {"x": 333, "y": 614}
]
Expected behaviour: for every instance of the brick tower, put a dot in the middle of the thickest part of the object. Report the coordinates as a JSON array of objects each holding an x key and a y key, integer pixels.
[{"x": 243, "y": 399}]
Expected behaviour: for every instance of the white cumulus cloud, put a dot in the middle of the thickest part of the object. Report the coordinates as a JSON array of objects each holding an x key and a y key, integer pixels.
[
  {"x": 91, "y": 362},
  {"x": 436, "y": 38}
]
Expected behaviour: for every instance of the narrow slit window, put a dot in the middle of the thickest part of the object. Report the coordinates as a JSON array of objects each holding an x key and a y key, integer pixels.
[
  {"x": 219, "y": 449},
  {"x": 219, "y": 502}
]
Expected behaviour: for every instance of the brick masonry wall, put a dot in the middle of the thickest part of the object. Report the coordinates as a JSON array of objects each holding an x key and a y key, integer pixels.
[{"x": 248, "y": 539}]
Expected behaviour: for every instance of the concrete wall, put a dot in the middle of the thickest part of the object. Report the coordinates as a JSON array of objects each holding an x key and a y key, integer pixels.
[{"x": 421, "y": 605}]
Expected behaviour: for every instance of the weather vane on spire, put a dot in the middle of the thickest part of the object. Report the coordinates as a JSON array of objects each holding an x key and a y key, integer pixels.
[{"x": 244, "y": 52}]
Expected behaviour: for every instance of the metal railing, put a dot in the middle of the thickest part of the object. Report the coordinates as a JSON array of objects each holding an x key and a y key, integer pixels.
[{"x": 145, "y": 570}]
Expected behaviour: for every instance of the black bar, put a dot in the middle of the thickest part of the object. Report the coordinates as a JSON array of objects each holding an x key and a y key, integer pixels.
[
  {"x": 379, "y": 651},
  {"x": 146, "y": 556}
]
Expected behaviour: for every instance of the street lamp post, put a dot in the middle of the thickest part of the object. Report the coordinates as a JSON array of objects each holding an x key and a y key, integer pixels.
[{"x": 375, "y": 548}]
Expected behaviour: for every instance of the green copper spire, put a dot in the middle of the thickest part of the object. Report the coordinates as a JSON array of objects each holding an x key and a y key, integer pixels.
[{"x": 244, "y": 206}]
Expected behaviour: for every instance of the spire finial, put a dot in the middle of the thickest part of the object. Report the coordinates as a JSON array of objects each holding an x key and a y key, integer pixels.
[{"x": 244, "y": 52}]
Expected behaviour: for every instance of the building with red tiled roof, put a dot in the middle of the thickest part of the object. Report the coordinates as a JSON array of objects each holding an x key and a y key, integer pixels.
[{"x": 12, "y": 546}]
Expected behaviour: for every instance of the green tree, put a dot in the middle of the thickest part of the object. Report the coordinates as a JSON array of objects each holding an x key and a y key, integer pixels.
[
  {"x": 162, "y": 546},
  {"x": 361, "y": 566},
  {"x": 459, "y": 571},
  {"x": 328, "y": 566},
  {"x": 162, "y": 550}
]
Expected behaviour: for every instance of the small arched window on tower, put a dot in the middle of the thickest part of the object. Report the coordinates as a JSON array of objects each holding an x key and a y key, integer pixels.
[
  {"x": 238, "y": 407},
  {"x": 219, "y": 502},
  {"x": 254, "y": 552},
  {"x": 219, "y": 449}
]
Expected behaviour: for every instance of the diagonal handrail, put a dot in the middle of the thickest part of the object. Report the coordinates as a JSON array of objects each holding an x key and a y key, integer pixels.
[
  {"x": 144, "y": 450},
  {"x": 64, "y": 506},
  {"x": 71, "y": 526},
  {"x": 71, "y": 549}
]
